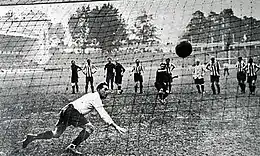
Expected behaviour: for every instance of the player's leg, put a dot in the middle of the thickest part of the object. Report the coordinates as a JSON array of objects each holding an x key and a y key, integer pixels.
[
  {"x": 218, "y": 87},
  {"x": 77, "y": 87},
  {"x": 197, "y": 85},
  {"x": 119, "y": 87},
  {"x": 240, "y": 81},
  {"x": 141, "y": 87},
  {"x": 213, "y": 88},
  {"x": 159, "y": 89},
  {"x": 141, "y": 84},
  {"x": 212, "y": 80},
  {"x": 59, "y": 129},
  {"x": 243, "y": 86},
  {"x": 253, "y": 85},
  {"x": 169, "y": 83},
  {"x": 120, "y": 84},
  {"x": 136, "y": 86},
  {"x": 249, "y": 81},
  {"x": 107, "y": 80},
  {"x": 217, "y": 84},
  {"x": 202, "y": 88},
  {"x": 112, "y": 81},
  {"x": 165, "y": 93},
  {"x": 87, "y": 82},
  {"x": 86, "y": 131},
  {"x": 92, "y": 84},
  {"x": 136, "y": 82},
  {"x": 73, "y": 87},
  {"x": 170, "y": 86},
  {"x": 202, "y": 85}
]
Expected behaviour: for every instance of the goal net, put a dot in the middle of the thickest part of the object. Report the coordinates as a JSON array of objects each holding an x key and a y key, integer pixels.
[{"x": 40, "y": 38}]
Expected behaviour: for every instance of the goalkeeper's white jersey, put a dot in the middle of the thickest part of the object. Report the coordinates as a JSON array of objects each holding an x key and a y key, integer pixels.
[{"x": 88, "y": 103}]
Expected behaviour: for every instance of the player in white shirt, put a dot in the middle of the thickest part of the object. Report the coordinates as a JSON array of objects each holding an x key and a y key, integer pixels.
[
  {"x": 226, "y": 69},
  {"x": 74, "y": 114},
  {"x": 198, "y": 76}
]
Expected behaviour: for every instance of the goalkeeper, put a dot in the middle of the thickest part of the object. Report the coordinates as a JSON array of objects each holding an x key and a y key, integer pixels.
[{"x": 73, "y": 114}]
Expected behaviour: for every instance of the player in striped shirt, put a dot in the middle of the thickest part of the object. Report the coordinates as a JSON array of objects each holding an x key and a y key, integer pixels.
[
  {"x": 213, "y": 67},
  {"x": 198, "y": 76},
  {"x": 89, "y": 69},
  {"x": 169, "y": 69},
  {"x": 241, "y": 74},
  {"x": 138, "y": 70},
  {"x": 251, "y": 69}
]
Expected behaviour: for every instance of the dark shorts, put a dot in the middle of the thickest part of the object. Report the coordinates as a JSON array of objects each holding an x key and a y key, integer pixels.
[
  {"x": 251, "y": 78},
  {"x": 71, "y": 116},
  {"x": 159, "y": 85},
  {"x": 199, "y": 81},
  {"x": 89, "y": 79},
  {"x": 74, "y": 79},
  {"x": 241, "y": 76},
  {"x": 214, "y": 78},
  {"x": 138, "y": 77},
  {"x": 110, "y": 76},
  {"x": 118, "y": 79}
]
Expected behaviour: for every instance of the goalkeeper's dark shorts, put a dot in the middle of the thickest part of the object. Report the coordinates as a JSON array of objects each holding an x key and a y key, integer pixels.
[{"x": 71, "y": 116}]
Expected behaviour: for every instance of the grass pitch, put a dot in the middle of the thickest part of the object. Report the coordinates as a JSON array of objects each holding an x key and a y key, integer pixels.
[{"x": 188, "y": 124}]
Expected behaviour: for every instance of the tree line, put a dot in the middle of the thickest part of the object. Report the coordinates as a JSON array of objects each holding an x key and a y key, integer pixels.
[
  {"x": 105, "y": 28},
  {"x": 224, "y": 26}
]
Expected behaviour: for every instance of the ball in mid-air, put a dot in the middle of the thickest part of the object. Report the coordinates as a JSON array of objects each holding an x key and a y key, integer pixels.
[{"x": 183, "y": 49}]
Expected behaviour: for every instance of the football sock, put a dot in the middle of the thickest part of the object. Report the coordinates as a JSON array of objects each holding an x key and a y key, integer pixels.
[{"x": 83, "y": 135}]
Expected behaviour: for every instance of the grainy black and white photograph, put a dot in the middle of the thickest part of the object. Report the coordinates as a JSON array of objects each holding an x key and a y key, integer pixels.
[{"x": 129, "y": 77}]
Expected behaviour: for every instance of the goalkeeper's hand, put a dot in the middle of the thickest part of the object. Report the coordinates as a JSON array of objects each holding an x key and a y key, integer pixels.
[{"x": 119, "y": 129}]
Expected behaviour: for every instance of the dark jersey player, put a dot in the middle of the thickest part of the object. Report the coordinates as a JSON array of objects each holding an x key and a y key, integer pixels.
[
  {"x": 74, "y": 76},
  {"x": 110, "y": 73},
  {"x": 161, "y": 82},
  {"x": 119, "y": 70}
]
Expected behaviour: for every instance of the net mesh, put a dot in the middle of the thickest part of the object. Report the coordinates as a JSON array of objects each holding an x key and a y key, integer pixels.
[{"x": 40, "y": 38}]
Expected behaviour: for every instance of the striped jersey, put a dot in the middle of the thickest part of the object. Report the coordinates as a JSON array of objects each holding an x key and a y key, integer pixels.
[
  {"x": 240, "y": 66},
  {"x": 252, "y": 69},
  {"x": 89, "y": 70},
  {"x": 198, "y": 72},
  {"x": 169, "y": 68},
  {"x": 214, "y": 68},
  {"x": 138, "y": 69}
]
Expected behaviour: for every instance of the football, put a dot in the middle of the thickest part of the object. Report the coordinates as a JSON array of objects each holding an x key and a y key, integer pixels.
[{"x": 183, "y": 49}]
